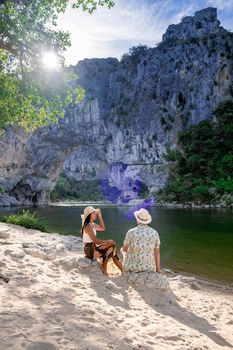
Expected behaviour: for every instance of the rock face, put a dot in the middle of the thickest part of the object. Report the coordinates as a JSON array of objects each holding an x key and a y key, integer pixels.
[
  {"x": 204, "y": 22},
  {"x": 132, "y": 111}
]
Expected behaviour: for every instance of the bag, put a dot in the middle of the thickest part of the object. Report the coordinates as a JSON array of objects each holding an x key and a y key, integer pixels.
[{"x": 89, "y": 249}]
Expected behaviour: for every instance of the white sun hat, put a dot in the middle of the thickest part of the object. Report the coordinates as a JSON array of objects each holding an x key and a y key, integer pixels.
[
  {"x": 87, "y": 211},
  {"x": 142, "y": 216}
]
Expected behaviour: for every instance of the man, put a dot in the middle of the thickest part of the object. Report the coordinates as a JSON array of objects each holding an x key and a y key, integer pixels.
[{"x": 141, "y": 246}]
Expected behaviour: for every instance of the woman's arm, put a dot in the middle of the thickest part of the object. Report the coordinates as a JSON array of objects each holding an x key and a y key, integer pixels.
[
  {"x": 157, "y": 258},
  {"x": 89, "y": 230},
  {"x": 101, "y": 225}
]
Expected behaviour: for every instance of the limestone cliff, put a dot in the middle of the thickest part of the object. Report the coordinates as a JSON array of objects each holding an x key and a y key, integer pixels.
[{"x": 133, "y": 111}]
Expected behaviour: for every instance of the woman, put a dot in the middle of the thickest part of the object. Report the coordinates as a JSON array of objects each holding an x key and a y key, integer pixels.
[{"x": 94, "y": 247}]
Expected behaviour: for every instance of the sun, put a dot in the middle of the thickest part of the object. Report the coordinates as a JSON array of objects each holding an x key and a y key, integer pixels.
[{"x": 50, "y": 60}]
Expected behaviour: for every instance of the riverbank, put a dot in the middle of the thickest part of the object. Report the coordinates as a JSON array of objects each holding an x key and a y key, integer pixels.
[
  {"x": 7, "y": 202},
  {"x": 145, "y": 203},
  {"x": 51, "y": 302}
]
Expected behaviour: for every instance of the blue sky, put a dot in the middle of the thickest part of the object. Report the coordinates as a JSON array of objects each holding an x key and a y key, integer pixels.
[{"x": 110, "y": 33}]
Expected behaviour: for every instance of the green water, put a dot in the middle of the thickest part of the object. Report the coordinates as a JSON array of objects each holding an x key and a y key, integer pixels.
[{"x": 197, "y": 242}]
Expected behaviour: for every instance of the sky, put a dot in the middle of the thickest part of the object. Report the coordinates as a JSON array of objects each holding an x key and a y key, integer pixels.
[{"x": 110, "y": 33}]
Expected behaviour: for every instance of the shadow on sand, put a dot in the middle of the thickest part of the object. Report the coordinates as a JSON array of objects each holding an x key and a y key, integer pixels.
[{"x": 164, "y": 302}]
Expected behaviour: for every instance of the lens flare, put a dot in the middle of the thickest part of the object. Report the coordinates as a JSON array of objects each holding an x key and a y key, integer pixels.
[{"x": 50, "y": 60}]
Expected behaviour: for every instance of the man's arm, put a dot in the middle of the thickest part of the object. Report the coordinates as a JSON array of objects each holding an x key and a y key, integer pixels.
[
  {"x": 157, "y": 259},
  {"x": 125, "y": 248},
  {"x": 126, "y": 242}
]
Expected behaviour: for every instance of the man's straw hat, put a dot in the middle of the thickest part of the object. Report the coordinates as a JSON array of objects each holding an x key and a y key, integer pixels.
[{"x": 142, "y": 216}]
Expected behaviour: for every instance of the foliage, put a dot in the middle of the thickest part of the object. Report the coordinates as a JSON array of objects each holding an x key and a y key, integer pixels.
[
  {"x": 30, "y": 94},
  {"x": 144, "y": 191},
  {"x": 172, "y": 155},
  {"x": 92, "y": 190},
  {"x": 134, "y": 56},
  {"x": 28, "y": 220},
  {"x": 79, "y": 190},
  {"x": 203, "y": 169},
  {"x": 1, "y": 190}
]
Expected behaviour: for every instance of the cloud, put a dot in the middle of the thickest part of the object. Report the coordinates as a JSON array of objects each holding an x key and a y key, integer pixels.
[
  {"x": 221, "y": 4},
  {"x": 110, "y": 33}
]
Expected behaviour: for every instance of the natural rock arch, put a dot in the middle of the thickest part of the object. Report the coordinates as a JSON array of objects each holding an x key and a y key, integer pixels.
[
  {"x": 131, "y": 112},
  {"x": 31, "y": 163}
]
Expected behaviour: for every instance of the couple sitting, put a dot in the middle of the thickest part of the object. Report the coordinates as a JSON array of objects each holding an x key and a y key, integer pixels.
[{"x": 140, "y": 249}]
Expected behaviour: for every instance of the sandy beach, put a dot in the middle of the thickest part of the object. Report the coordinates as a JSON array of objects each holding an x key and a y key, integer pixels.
[{"x": 53, "y": 302}]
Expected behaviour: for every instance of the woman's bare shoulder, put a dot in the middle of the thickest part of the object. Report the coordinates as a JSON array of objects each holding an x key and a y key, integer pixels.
[{"x": 88, "y": 228}]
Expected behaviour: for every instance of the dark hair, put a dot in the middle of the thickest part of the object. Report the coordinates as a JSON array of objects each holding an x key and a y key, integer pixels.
[{"x": 86, "y": 222}]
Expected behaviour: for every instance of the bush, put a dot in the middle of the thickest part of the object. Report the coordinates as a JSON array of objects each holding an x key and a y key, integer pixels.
[
  {"x": 201, "y": 193},
  {"x": 172, "y": 155},
  {"x": 203, "y": 171},
  {"x": 62, "y": 189},
  {"x": 224, "y": 185},
  {"x": 77, "y": 190},
  {"x": 134, "y": 56},
  {"x": 28, "y": 220},
  {"x": 144, "y": 191},
  {"x": 1, "y": 190}
]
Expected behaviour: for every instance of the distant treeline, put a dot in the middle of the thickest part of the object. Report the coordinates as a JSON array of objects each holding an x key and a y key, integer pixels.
[{"x": 67, "y": 188}]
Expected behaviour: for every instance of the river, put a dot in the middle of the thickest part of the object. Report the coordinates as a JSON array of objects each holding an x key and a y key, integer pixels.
[{"x": 195, "y": 242}]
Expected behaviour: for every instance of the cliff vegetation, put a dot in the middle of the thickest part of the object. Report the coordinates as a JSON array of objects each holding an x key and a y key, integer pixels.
[{"x": 203, "y": 166}]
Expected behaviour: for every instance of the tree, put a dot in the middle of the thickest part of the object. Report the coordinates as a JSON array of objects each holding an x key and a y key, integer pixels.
[
  {"x": 202, "y": 171},
  {"x": 134, "y": 56},
  {"x": 29, "y": 94}
]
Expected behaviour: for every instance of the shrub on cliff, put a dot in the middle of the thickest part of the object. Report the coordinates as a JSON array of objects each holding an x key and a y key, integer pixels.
[
  {"x": 134, "y": 56},
  {"x": 203, "y": 168}
]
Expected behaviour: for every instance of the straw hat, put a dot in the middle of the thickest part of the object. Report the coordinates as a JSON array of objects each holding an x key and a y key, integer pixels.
[
  {"x": 87, "y": 211},
  {"x": 142, "y": 216}
]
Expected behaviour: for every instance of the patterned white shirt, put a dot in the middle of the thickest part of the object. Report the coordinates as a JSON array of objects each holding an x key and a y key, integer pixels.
[{"x": 141, "y": 242}]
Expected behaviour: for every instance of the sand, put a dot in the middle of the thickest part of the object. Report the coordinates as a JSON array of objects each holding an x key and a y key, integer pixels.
[{"x": 52, "y": 304}]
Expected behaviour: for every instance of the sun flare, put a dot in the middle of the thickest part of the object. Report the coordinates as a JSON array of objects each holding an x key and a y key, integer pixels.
[{"x": 50, "y": 60}]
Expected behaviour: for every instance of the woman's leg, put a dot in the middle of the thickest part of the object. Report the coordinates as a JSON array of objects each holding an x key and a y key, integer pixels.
[
  {"x": 107, "y": 252},
  {"x": 104, "y": 265},
  {"x": 117, "y": 262}
]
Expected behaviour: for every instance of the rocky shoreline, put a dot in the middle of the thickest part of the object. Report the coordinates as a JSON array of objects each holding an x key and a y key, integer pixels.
[
  {"x": 138, "y": 202},
  {"x": 223, "y": 204}
]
